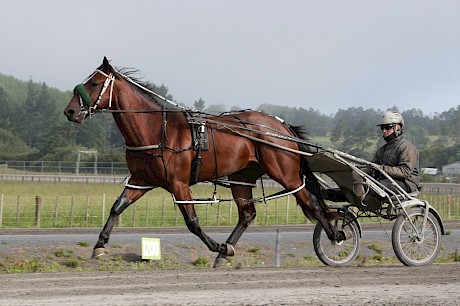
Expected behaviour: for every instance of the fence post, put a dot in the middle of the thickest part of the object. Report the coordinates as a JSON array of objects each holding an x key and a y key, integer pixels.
[
  {"x": 56, "y": 211},
  {"x": 163, "y": 211},
  {"x": 287, "y": 209},
  {"x": 277, "y": 211},
  {"x": 71, "y": 210},
  {"x": 266, "y": 214},
  {"x": 218, "y": 213},
  {"x": 1, "y": 210},
  {"x": 17, "y": 211},
  {"x": 147, "y": 211},
  {"x": 296, "y": 214},
  {"x": 86, "y": 211},
  {"x": 456, "y": 207},
  {"x": 449, "y": 202},
  {"x": 230, "y": 205},
  {"x": 103, "y": 208},
  {"x": 38, "y": 205},
  {"x": 277, "y": 248},
  {"x": 175, "y": 214},
  {"x": 134, "y": 216}
]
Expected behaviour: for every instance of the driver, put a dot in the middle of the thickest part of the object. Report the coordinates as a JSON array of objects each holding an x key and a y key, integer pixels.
[{"x": 398, "y": 158}]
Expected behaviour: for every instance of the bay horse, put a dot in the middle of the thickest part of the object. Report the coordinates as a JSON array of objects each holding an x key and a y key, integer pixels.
[{"x": 160, "y": 153}]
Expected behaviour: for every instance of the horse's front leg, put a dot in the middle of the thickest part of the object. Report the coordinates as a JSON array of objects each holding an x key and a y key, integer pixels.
[
  {"x": 246, "y": 213},
  {"x": 128, "y": 197}
]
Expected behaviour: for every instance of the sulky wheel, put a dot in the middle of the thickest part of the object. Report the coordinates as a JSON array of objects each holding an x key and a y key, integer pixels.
[
  {"x": 413, "y": 250},
  {"x": 337, "y": 253}
]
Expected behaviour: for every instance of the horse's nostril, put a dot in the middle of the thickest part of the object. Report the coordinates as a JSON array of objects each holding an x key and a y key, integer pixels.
[{"x": 69, "y": 112}]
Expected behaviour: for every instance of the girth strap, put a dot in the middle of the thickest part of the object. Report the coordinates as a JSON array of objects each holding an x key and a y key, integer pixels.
[{"x": 199, "y": 143}]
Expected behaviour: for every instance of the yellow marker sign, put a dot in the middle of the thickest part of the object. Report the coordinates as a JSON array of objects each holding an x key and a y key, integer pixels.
[{"x": 151, "y": 248}]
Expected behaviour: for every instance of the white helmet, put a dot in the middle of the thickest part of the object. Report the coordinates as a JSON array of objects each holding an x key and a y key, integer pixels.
[{"x": 390, "y": 118}]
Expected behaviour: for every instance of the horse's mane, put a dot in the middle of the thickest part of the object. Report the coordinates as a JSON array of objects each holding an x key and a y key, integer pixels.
[
  {"x": 157, "y": 94},
  {"x": 132, "y": 74}
]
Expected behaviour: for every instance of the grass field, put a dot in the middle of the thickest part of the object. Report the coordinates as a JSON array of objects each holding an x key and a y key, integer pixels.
[
  {"x": 46, "y": 205},
  {"x": 88, "y": 205}
]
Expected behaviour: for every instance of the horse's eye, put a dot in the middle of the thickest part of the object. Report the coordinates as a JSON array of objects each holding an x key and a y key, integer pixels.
[{"x": 94, "y": 84}]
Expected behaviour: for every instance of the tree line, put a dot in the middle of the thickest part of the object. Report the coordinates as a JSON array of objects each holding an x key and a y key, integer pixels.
[{"x": 32, "y": 127}]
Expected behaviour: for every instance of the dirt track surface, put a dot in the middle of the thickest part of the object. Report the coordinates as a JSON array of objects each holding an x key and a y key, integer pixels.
[
  {"x": 378, "y": 285},
  {"x": 245, "y": 283}
]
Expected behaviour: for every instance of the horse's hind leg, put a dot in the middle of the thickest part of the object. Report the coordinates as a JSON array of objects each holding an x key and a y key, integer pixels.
[
  {"x": 191, "y": 220},
  {"x": 246, "y": 213},
  {"x": 311, "y": 206},
  {"x": 312, "y": 209},
  {"x": 128, "y": 197},
  {"x": 181, "y": 192}
]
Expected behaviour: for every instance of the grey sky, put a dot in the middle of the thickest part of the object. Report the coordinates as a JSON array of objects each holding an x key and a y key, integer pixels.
[{"x": 320, "y": 54}]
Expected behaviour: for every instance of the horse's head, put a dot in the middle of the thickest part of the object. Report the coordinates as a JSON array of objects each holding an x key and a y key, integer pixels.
[{"x": 94, "y": 93}]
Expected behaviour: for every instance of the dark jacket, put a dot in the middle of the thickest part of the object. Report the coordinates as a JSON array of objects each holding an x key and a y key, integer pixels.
[{"x": 400, "y": 160}]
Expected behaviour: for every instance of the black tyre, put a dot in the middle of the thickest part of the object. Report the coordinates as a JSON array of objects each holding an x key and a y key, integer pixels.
[
  {"x": 413, "y": 250},
  {"x": 337, "y": 253}
]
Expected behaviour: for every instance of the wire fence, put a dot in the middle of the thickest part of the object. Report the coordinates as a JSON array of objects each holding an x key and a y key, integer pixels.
[
  {"x": 149, "y": 211},
  {"x": 28, "y": 167},
  {"x": 92, "y": 211}
]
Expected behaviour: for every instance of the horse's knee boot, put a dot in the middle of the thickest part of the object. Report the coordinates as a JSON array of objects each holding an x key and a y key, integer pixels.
[{"x": 120, "y": 205}]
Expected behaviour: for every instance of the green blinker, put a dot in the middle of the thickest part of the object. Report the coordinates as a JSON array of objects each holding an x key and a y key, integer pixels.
[{"x": 81, "y": 91}]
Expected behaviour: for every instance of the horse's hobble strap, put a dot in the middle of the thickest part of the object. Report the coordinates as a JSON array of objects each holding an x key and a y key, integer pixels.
[{"x": 81, "y": 91}]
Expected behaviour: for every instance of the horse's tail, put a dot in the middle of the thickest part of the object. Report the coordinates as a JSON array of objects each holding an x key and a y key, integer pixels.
[{"x": 311, "y": 181}]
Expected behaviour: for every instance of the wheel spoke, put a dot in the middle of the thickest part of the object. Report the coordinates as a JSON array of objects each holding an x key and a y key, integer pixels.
[
  {"x": 339, "y": 253},
  {"x": 413, "y": 249}
]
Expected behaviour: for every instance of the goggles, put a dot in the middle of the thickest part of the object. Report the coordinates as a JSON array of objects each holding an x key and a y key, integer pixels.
[{"x": 386, "y": 127}]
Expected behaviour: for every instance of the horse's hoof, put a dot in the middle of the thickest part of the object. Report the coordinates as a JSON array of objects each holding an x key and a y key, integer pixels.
[
  {"x": 341, "y": 236},
  {"x": 221, "y": 261},
  {"x": 98, "y": 252},
  {"x": 348, "y": 233},
  {"x": 230, "y": 250}
]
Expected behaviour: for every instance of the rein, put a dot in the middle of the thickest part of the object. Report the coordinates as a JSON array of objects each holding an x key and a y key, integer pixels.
[
  {"x": 88, "y": 108},
  {"x": 85, "y": 104},
  {"x": 127, "y": 78},
  {"x": 233, "y": 128}
]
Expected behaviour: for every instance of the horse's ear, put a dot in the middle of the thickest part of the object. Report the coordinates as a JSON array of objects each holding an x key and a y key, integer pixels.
[{"x": 105, "y": 65}]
